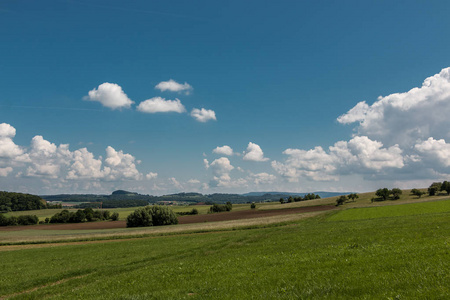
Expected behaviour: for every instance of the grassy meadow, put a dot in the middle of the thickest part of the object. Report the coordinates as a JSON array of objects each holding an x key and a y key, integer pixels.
[{"x": 330, "y": 256}]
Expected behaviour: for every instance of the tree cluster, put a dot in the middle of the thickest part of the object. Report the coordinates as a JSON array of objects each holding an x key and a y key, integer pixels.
[
  {"x": 385, "y": 194},
  {"x": 221, "y": 207},
  {"x": 291, "y": 199},
  {"x": 417, "y": 192},
  {"x": 437, "y": 187},
  {"x": 152, "y": 216},
  {"x": 20, "y": 220},
  {"x": 18, "y": 201},
  {"x": 86, "y": 215},
  {"x": 344, "y": 198}
]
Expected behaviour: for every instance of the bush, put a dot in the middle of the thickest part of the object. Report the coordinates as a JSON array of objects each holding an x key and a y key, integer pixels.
[
  {"x": 27, "y": 220},
  {"x": 152, "y": 216},
  {"x": 253, "y": 206},
  {"x": 341, "y": 200},
  {"x": 114, "y": 216},
  {"x": 221, "y": 207}
]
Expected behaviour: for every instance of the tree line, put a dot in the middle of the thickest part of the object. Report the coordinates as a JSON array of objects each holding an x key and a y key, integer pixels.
[{"x": 308, "y": 196}]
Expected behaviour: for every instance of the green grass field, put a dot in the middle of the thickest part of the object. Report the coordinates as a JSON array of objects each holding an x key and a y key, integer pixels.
[
  {"x": 388, "y": 257},
  {"x": 408, "y": 209}
]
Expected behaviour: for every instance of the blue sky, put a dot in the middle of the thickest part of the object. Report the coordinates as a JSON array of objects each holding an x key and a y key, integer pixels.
[{"x": 280, "y": 83}]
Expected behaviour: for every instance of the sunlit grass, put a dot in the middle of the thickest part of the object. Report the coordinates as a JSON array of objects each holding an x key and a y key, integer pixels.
[{"x": 403, "y": 257}]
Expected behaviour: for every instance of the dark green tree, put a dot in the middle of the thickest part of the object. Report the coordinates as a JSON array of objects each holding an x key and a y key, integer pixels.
[
  {"x": 417, "y": 192},
  {"x": 341, "y": 200},
  {"x": 383, "y": 193},
  {"x": 434, "y": 188},
  {"x": 445, "y": 187},
  {"x": 396, "y": 192},
  {"x": 353, "y": 196}
]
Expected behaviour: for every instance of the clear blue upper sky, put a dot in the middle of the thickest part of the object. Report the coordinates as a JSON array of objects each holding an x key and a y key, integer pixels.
[{"x": 272, "y": 78}]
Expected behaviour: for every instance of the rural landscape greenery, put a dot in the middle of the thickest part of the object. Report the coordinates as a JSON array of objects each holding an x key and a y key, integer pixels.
[
  {"x": 389, "y": 245},
  {"x": 224, "y": 149}
]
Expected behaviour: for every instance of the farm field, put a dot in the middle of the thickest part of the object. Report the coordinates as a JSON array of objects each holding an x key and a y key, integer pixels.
[
  {"x": 123, "y": 212},
  {"x": 205, "y": 222},
  {"x": 408, "y": 209},
  {"x": 403, "y": 257}
]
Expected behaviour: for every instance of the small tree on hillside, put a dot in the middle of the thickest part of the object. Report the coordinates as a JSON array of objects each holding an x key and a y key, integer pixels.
[
  {"x": 341, "y": 200},
  {"x": 445, "y": 187},
  {"x": 383, "y": 193},
  {"x": 434, "y": 188},
  {"x": 353, "y": 196},
  {"x": 417, "y": 192},
  {"x": 396, "y": 192},
  {"x": 281, "y": 200}
]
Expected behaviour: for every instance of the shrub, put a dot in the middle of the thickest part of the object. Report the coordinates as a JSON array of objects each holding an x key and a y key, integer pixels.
[
  {"x": 221, "y": 207},
  {"x": 152, "y": 216},
  {"x": 27, "y": 220},
  {"x": 341, "y": 200},
  {"x": 396, "y": 192},
  {"x": 114, "y": 216},
  {"x": 253, "y": 206}
]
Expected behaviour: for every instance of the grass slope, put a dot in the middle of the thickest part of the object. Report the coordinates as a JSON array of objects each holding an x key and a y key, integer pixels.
[
  {"x": 392, "y": 211},
  {"x": 405, "y": 257}
]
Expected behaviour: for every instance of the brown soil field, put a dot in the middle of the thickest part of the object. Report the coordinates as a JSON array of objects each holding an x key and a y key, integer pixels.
[{"x": 216, "y": 217}]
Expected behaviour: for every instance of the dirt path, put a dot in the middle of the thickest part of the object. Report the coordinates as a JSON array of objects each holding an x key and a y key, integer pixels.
[{"x": 217, "y": 217}]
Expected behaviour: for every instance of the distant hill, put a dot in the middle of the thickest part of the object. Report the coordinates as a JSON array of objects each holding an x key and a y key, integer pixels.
[{"x": 121, "y": 198}]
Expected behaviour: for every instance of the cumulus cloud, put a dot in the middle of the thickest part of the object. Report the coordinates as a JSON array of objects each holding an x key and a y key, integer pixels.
[
  {"x": 158, "y": 104},
  {"x": 151, "y": 175},
  {"x": 8, "y": 149},
  {"x": 224, "y": 150},
  {"x": 221, "y": 169},
  {"x": 109, "y": 95},
  {"x": 403, "y": 118},
  {"x": 263, "y": 178},
  {"x": 47, "y": 158},
  {"x": 254, "y": 153},
  {"x": 5, "y": 171},
  {"x": 203, "y": 115},
  {"x": 173, "y": 86},
  {"x": 122, "y": 165},
  {"x": 434, "y": 151},
  {"x": 174, "y": 182},
  {"x": 360, "y": 155}
]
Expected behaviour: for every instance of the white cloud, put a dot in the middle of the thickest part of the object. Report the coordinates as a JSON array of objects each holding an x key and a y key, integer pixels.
[
  {"x": 206, "y": 163},
  {"x": 86, "y": 166},
  {"x": 174, "y": 86},
  {"x": 174, "y": 182},
  {"x": 224, "y": 150},
  {"x": 47, "y": 158},
  {"x": 7, "y": 131},
  {"x": 5, "y": 171},
  {"x": 254, "y": 153},
  {"x": 151, "y": 175},
  {"x": 435, "y": 150},
  {"x": 403, "y": 118},
  {"x": 193, "y": 181},
  {"x": 109, "y": 95},
  {"x": 158, "y": 104},
  {"x": 221, "y": 169},
  {"x": 360, "y": 155},
  {"x": 121, "y": 164},
  {"x": 263, "y": 178},
  {"x": 8, "y": 149},
  {"x": 203, "y": 115}
]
